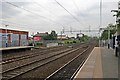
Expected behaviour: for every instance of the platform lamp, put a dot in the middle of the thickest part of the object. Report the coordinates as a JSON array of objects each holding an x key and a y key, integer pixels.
[
  {"x": 6, "y": 35},
  {"x": 116, "y": 45}
]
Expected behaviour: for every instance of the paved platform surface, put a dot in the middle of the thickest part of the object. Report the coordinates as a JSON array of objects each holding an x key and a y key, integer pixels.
[
  {"x": 101, "y": 63},
  {"x": 18, "y": 47}
]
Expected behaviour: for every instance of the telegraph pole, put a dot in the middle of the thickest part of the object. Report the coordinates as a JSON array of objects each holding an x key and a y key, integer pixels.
[
  {"x": 62, "y": 32},
  {"x": 61, "y": 35},
  {"x": 89, "y": 30}
]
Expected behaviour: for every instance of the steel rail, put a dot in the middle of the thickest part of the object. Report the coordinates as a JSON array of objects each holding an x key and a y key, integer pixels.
[
  {"x": 17, "y": 73},
  {"x": 68, "y": 64},
  {"x": 24, "y": 56}
]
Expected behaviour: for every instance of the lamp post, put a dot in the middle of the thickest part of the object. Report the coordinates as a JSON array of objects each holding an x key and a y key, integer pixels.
[{"x": 6, "y": 35}]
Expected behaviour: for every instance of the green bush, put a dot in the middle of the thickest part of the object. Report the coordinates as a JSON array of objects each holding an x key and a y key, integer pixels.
[
  {"x": 71, "y": 42},
  {"x": 67, "y": 42},
  {"x": 74, "y": 42},
  {"x": 30, "y": 44},
  {"x": 39, "y": 44}
]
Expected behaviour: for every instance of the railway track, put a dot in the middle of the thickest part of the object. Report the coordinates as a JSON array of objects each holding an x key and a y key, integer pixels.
[
  {"x": 24, "y": 60},
  {"x": 69, "y": 70},
  {"x": 34, "y": 53},
  {"x": 14, "y": 72},
  {"x": 30, "y": 60},
  {"x": 29, "y": 55}
]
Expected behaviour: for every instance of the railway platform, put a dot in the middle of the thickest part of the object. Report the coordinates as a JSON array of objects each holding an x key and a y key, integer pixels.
[
  {"x": 101, "y": 63},
  {"x": 15, "y": 49}
]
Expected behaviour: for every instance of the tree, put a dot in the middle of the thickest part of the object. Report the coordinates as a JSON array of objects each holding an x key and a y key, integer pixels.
[
  {"x": 47, "y": 37},
  {"x": 84, "y": 38},
  {"x": 52, "y": 36},
  {"x": 112, "y": 28},
  {"x": 118, "y": 25}
]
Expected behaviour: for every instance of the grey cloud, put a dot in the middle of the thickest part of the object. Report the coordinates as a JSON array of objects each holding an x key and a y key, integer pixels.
[
  {"x": 8, "y": 11},
  {"x": 87, "y": 17}
]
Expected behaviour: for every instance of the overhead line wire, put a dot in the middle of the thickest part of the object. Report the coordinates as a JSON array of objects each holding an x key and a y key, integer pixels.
[
  {"x": 76, "y": 6},
  {"x": 47, "y": 10},
  {"x": 18, "y": 25},
  {"x": 24, "y": 9},
  {"x": 32, "y": 12},
  {"x": 44, "y": 8},
  {"x": 67, "y": 11},
  {"x": 15, "y": 23}
]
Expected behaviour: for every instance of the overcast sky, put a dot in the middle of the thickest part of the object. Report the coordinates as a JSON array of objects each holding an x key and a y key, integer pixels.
[{"x": 46, "y": 15}]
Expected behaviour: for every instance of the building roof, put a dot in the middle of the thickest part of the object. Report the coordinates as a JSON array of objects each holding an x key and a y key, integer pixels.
[
  {"x": 40, "y": 34},
  {"x": 62, "y": 36},
  {"x": 13, "y": 31}
]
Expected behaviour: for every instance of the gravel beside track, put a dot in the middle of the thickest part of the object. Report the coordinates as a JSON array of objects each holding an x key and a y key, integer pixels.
[
  {"x": 68, "y": 71},
  {"x": 45, "y": 70},
  {"x": 27, "y": 68},
  {"x": 27, "y": 52},
  {"x": 15, "y": 64}
]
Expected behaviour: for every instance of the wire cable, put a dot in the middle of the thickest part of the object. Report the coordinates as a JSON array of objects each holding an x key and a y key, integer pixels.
[
  {"x": 77, "y": 8},
  {"x": 47, "y": 10},
  {"x": 17, "y": 25},
  {"x": 33, "y": 13},
  {"x": 67, "y": 11}
]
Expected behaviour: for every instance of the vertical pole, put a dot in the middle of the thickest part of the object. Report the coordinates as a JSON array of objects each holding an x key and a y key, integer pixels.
[
  {"x": 89, "y": 30},
  {"x": 116, "y": 45},
  {"x": 61, "y": 35},
  {"x": 116, "y": 26},
  {"x": 6, "y": 36},
  {"x": 108, "y": 38},
  {"x": 118, "y": 30},
  {"x": 33, "y": 42},
  {"x": 99, "y": 38},
  {"x": 100, "y": 19}
]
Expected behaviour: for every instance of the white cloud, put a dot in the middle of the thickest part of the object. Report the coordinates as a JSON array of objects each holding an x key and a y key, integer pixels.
[{"x": 48, "y": 15}]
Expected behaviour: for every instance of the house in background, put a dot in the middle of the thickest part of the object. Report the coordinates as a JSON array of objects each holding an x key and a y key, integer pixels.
[
  {"x": 39, "y": 36},
  {"x": 62, "y": 37}
]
